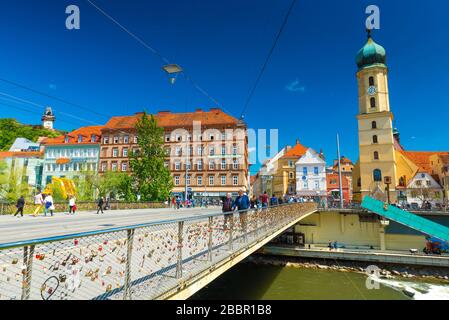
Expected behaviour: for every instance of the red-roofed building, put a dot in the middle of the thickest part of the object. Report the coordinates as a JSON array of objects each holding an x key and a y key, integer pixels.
[
  {"x": 69, "y": 155},
  {"x": 216, "y": 143},
  {"x": 333, "y": 187}
]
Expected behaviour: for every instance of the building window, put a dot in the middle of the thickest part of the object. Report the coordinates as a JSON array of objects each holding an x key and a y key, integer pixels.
[
  {"x": 200, "y": 165},
  {"x": 124, "y": 166},
  {"x": 223, "y": 164},
  {"x": 290, "y": 175},
  {"x": 211, "y": 180},
  {"x": 377, "y": 175},
  {"x": 376, "y": 155},
  {"x": 211, "y": 151},
  {"x": 374, "y": 125},
  {"x": 177, "y": 165},
  {"x": 189, "y": 165},
  {"x": 80, "y": 138},
  {"x": 136, "y": 139},
  {"x": 188, "y": 179},
  {"x": 317, "y": 185},
  {"x": 315, "y": 171},
  {"x": 115, "y": 152},
  {"x": 106, "y": 140},
  {"x": 125, "y": 152},
  {"x": 167, "y": 138},
  {"x": 178, "y": 151},
  {"x": 200, "y": 151},
  {"x": 199, "y": 180},
  {"x": 211, "y": 165},
  {"x": 304, "y": 171},
  {"x": 104, "y": 166},
  {"x": 126, "y": 139},
  {"x": 234, "y": 150},
  {"x": 371, "y": 81},
  {"x": 223, "y": 180},
  {"x": 176, "y": 180},
  {"x": 116, "y": 140},
  {"x": 66, "y": 139},
  {"x": 291, "y": 164},
  {"x": 402, "y": 181},
  {"x": 235, "y": 165},
  {"x": 114, "y": 166},
  {"x": 235, "y": 180},
  {"x": 359, "y": 182},
  {"x": 375, "y": 140},
  {"x": 305, "y": 185},
  {"x": 223, "y": 150},
  {"x": 372, "y": 102}
]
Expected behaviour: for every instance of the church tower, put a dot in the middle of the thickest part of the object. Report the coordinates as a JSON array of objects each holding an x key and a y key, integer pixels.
[
  {"x": 376, "y": 142},
  {"x": 48, "y": 119}
]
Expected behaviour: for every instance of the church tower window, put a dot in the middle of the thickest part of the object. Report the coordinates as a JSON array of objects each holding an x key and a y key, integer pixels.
[
  {"x": 372, "y": 102},
  {"x": 376, "y": 155},
  {"x": 374, "y": 125},
  {"x": 375, "y": 139},
  {"x": 371, "y": 81},
  {"x": 377, "y": 175}
]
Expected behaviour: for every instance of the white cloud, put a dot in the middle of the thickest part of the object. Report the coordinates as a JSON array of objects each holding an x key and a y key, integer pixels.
[{"x": 295, "y": 87}]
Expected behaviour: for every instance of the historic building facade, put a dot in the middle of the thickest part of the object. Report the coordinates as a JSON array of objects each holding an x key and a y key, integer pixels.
[
  {"x": 206, "y": 150},
  {"x": 311, "y": 175},
  {"x": 71, "y": 155}
]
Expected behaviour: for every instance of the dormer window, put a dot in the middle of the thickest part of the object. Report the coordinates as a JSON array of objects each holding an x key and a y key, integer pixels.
[
  {"x": 80, "y": 138},
  {"x": 66, "y": 139},
  {"x": 93, "y": 138}
]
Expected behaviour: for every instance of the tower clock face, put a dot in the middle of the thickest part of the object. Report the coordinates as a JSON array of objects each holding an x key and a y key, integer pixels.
[{"x": 372, "y": 90}]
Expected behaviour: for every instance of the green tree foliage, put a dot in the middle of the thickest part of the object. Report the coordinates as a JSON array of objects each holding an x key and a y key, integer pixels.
[
  {"x": 86, "y": 186},
  {"x": 117, "y": 184},
  {"x": 10, "y": 129},
  {"x": 152, "y": 180},
  {"x": 14, "y": 186}
]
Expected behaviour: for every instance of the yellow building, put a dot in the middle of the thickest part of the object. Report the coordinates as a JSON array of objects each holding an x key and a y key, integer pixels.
[
  {"x": 284, "y": 178},
  {"x": 376, "y": 142},
  {"x": 380, "y": 152}
]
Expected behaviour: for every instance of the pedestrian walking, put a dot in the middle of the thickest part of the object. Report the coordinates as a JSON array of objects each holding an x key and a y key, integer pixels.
[
  {"x": 242, "y": 204},
  {"x": 20, "y": 205},
  {"x": 100, "y": 205},
  {"x": 329, "y": 245},
  {"x": 49, "y": 205},
  {"x": 264, "y": 200},
  {"x": 227, "y": 210},
  {"x": 72, "y": 204},
  {"x": 178, "y": 202},
  {"x": 39, "y": 202}
]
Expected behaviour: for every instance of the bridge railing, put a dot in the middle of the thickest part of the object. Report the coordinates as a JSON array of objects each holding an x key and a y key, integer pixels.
[{"x": 134, "y": 262}]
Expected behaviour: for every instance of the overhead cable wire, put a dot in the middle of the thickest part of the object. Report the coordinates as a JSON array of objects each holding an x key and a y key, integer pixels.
[
  {"x": 154, "y": 51},
  {"x": 268, "y": 58}
]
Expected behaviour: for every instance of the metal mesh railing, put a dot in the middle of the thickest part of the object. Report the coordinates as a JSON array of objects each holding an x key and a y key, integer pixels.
[{"x": 136, "y": 262}]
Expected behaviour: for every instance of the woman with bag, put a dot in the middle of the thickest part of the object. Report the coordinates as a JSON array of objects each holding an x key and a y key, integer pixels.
[
  {"x": 49, "y": 205},
  {"x": 72, "y": 205}
]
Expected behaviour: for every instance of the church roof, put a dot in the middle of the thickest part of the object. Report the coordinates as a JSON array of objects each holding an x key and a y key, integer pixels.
[
  {"x": 422, "y": 159},
  {"x": 371, "y": 54}
]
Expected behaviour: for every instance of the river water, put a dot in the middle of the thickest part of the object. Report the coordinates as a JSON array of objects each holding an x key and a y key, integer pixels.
[{"x": 248, "y": 281}]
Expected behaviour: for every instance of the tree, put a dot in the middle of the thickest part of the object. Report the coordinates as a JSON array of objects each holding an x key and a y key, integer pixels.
[
  {"x": 117, "y": 184},
  {"x": 152, "y": 180},
  {"x": 10, "y": 129}
]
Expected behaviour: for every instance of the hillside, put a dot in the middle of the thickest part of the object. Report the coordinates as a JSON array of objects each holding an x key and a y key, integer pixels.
[{"x": 10, "y": 129}]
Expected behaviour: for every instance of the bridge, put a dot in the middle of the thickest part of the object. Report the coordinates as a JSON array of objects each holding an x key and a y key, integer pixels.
[{"x": 168, "y": 259}]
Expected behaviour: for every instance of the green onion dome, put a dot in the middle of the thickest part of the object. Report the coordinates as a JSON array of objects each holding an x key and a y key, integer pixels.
[{"x": 371, "y": 54}]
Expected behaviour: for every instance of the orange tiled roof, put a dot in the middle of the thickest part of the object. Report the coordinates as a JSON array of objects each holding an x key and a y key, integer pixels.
[
  {"x": 422, "y": 159},
  {"x": 20, "y": 154},
  {"x": 167, "y": 119},
  {"x": 85, "y": 132},
  {"x": 297, "y": 151}
]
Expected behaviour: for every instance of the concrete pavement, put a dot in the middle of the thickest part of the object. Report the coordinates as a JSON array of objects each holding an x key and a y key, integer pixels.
[{"x": 29, "y": 227}]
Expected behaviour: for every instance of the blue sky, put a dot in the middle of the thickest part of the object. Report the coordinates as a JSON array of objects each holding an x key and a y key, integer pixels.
[{"x": 308, "y": 91}]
